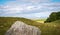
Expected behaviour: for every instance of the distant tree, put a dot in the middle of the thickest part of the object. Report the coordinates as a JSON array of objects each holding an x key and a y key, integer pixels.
[{"x": 53, "y": 17}]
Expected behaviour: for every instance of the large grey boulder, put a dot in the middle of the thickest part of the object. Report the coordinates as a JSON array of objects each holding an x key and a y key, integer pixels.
[{"x": 20, "y": 28}]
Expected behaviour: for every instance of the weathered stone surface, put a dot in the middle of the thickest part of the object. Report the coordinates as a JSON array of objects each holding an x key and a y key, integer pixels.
[{"x": 20, "y": 28}]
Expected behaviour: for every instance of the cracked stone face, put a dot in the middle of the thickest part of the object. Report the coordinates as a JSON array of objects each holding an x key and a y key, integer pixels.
[{"x": 20, "y": 28}]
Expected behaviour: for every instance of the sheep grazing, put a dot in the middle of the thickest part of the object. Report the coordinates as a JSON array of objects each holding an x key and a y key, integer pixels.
[{"x": 20, "y": 28}]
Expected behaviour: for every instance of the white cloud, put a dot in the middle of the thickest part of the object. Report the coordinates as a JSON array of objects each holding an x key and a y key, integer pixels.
[
  {"x": 29, "y": 10},
  {"x": 30, "y": 7},
  {"x": 40, "y": 14},
  {"x": 33, "y": 7},
  {"x": 34, "y": 1},
  {"x": 13, "y": 9},
  {"x": 33, "y": 15}
]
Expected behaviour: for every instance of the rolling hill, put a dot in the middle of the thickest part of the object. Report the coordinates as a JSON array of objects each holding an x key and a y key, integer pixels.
[{"x": 52, "y": 28}]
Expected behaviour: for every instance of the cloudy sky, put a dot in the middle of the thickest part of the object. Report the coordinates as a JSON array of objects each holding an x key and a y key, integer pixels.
[{"x": 28, "y": 8}]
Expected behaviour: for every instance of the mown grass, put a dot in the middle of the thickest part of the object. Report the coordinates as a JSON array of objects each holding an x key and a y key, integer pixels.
[
  {"x": 52, "y": 28},
  {"x": 40, "y": 20}
]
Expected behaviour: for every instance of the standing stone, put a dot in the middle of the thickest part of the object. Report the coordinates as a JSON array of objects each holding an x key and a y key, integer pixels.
[{"x": 20, "y": 28}]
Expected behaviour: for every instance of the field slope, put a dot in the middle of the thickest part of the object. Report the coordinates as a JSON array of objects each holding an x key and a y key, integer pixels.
[{"x": 52, "y": 28}]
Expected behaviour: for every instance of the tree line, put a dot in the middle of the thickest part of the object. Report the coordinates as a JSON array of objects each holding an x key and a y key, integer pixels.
[{"x": 53, "y": 17}]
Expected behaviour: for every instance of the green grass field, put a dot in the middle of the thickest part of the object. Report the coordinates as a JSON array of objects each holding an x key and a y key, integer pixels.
[
  {"x": 40, "y": 20},
  {"x": 52, "y": 28}
]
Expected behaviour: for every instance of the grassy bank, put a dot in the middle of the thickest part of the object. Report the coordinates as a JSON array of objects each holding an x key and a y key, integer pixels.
[
  {"x": 52, "y": 28},
  {"x": 40, "y": 20}
]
